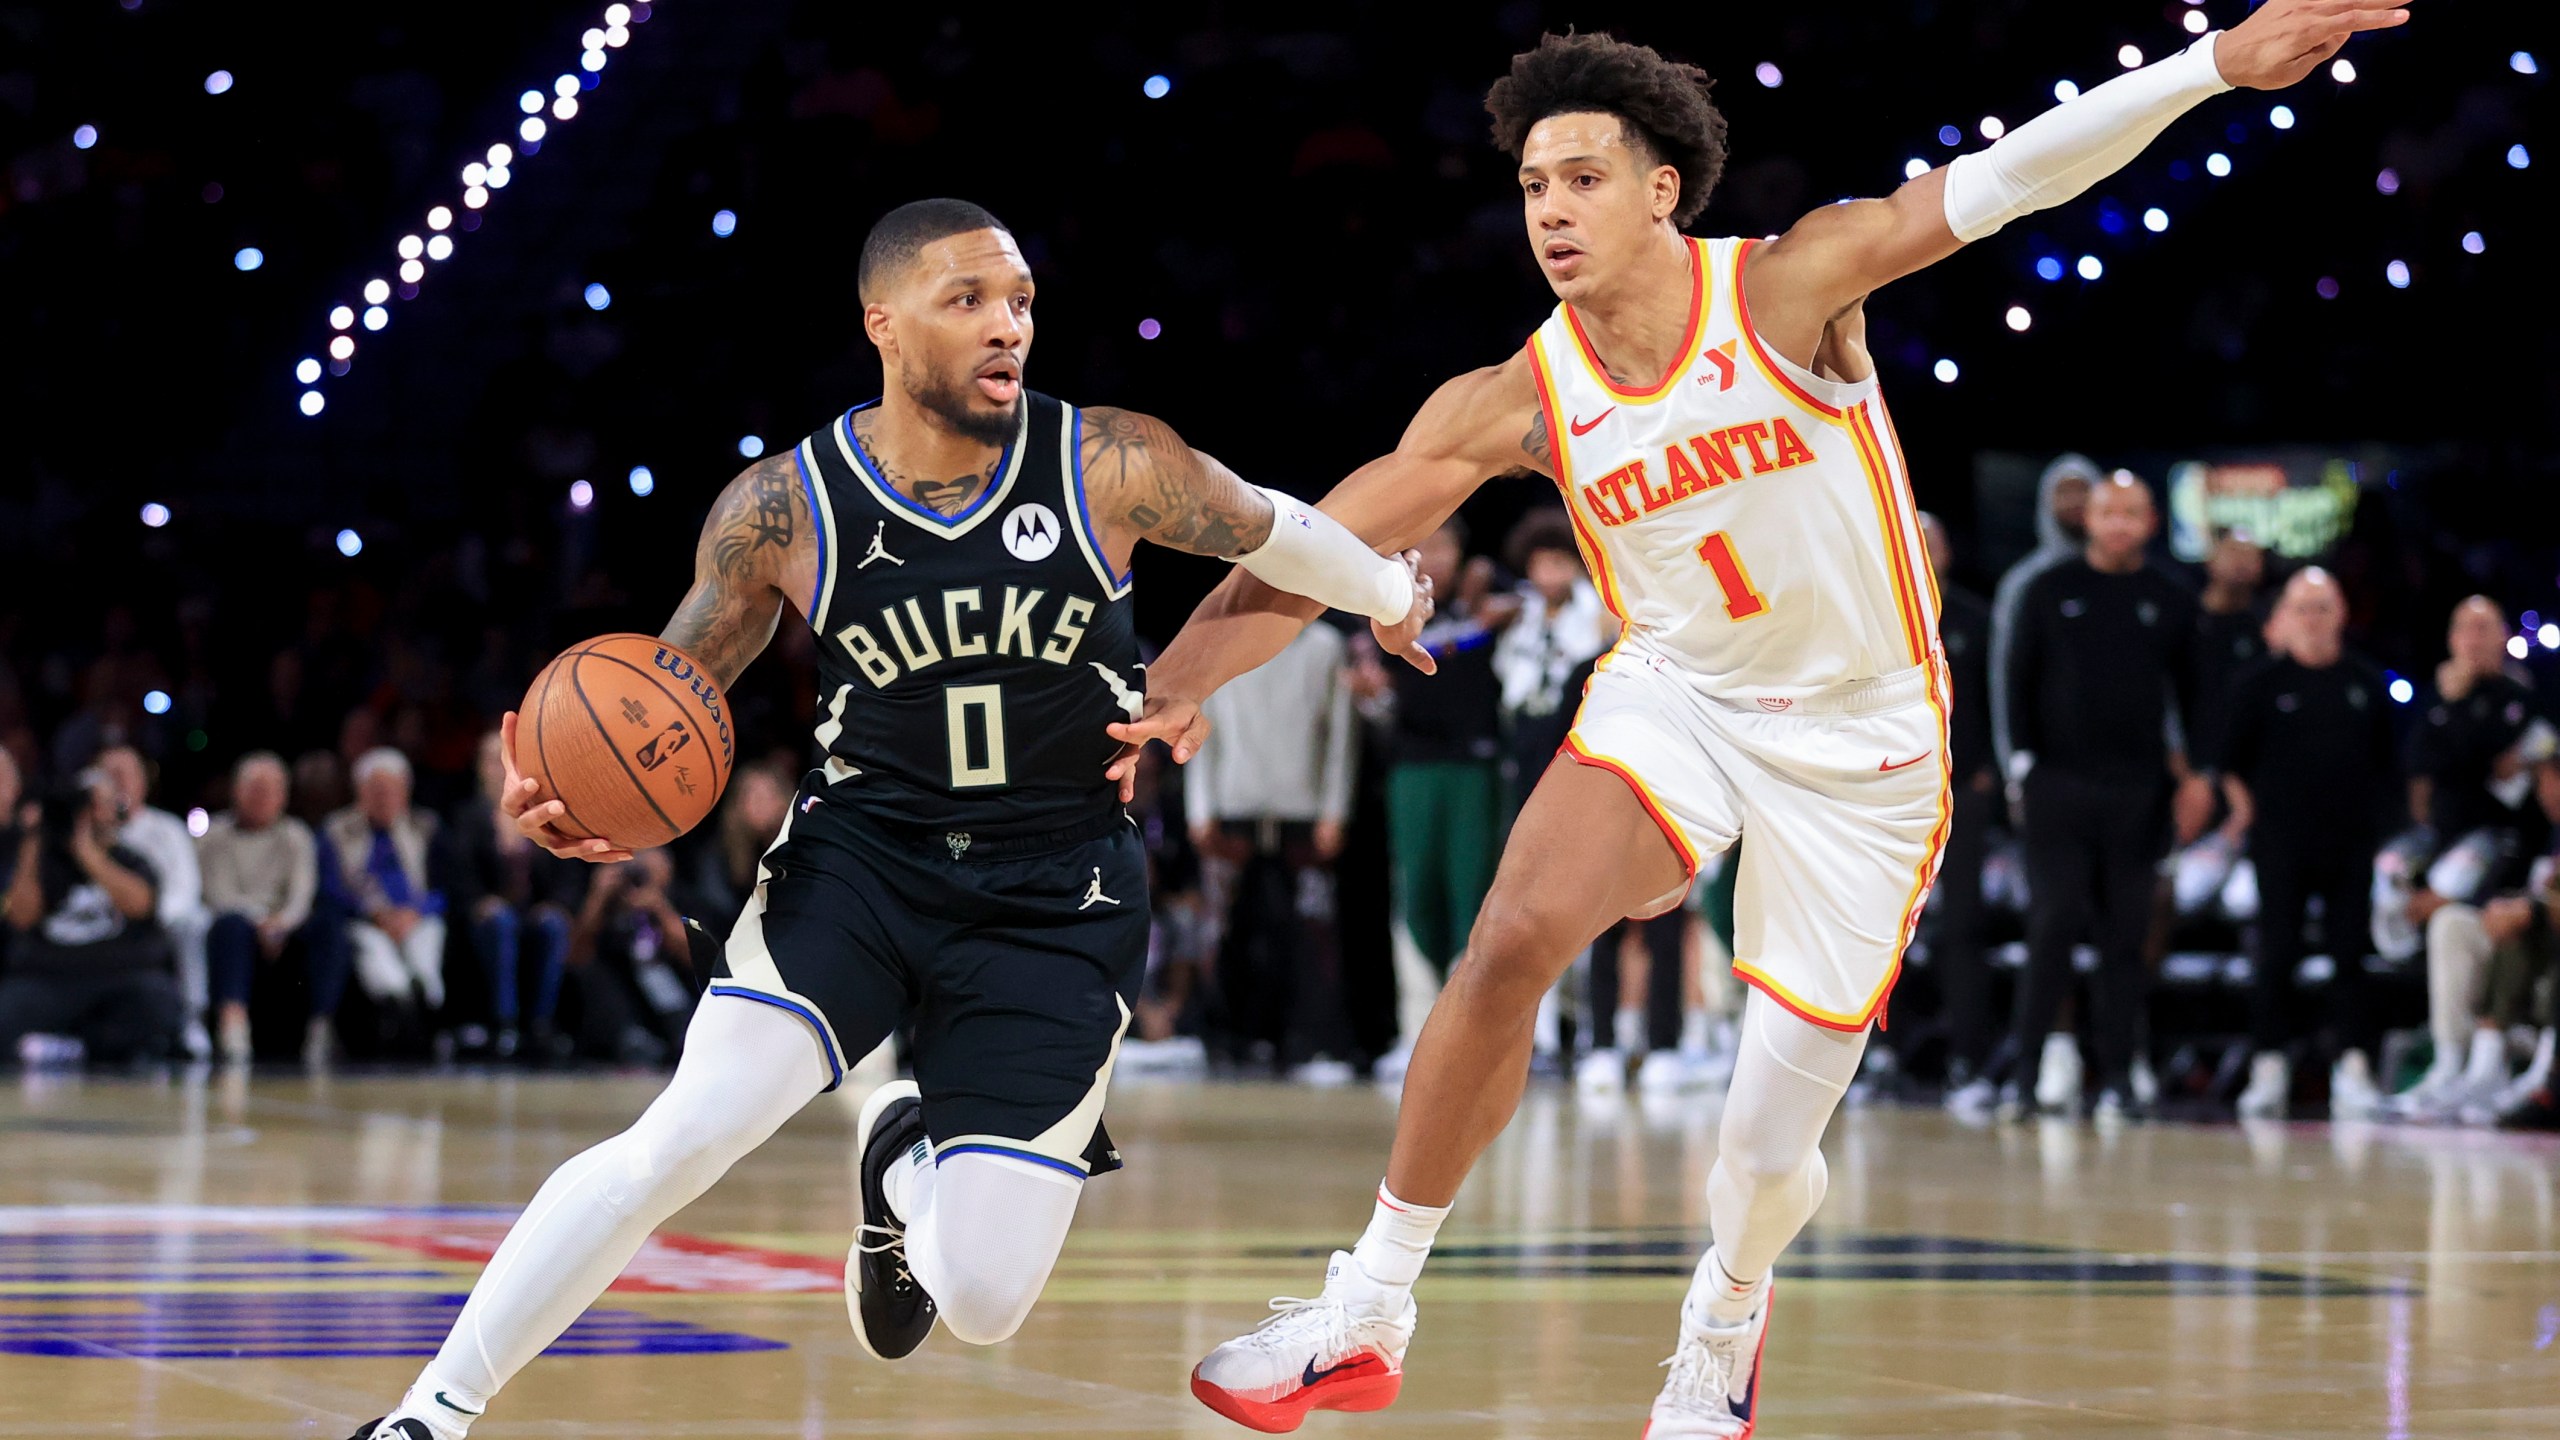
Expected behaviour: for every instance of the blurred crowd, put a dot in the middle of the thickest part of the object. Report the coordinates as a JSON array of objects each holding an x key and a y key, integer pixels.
[{"x": 2201, "y": 853}]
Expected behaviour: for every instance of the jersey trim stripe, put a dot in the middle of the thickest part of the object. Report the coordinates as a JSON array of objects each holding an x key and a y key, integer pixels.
[
  {"x": 1897, "y": 558},
  {"x": 822, "y": 512},
  {"x": 1661, "y": 818},
  {"x": 1071, "y": 463},
  {"x": 1882, "y": 421},
  {"x": 925, "y": 517},
  {"x": 1748, "y": 974},
  {"x": 1759, "y": 354},
  {"x": 1595, "y": 558},
  {"x": 1699, "y": 287},
  {"x": 1925, "y": 878}
]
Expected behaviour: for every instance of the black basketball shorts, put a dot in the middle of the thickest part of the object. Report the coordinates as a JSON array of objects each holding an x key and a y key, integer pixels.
[{"x": 1015, "y": 960}]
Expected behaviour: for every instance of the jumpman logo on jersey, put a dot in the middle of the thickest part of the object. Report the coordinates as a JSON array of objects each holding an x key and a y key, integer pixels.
[
  {"x": 1093, "y": 894},
  {"x": 879, "y": 549}
]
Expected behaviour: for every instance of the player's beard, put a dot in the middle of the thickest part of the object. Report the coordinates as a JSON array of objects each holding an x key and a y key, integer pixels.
[{"x": 956, "y": 405}]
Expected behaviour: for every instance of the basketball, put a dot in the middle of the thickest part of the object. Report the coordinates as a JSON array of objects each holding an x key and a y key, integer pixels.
[{"x": 631, "y": 734}]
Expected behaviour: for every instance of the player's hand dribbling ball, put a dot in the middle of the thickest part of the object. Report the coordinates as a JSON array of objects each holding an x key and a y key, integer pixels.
[{"x": 623, "y": 743}]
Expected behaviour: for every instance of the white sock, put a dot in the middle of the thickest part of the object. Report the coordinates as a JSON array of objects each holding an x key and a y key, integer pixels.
[
  {"x": 1398, "y": 1240},
  {"x": 441, "y": 1405},
  {"x": 1717, "y": 1299},
  {"x": 898, "y": 1182},
  {"x": 1627, "y": 1031},
  {"x": 2488, "y": 1054},
  {"x": 1693, "y": 1032}
]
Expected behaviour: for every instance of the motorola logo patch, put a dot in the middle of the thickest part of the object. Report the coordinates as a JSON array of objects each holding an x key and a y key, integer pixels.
[{"x": 1031, "y": 532}]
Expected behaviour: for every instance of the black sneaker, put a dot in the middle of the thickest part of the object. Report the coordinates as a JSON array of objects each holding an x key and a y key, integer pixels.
[
  {"x": 890, "y": 1311},
  {"x": 375, "y": 1429}
]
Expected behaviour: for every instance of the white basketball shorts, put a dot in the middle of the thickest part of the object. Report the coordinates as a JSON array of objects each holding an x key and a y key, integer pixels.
[{"x": 1841, "y": 795}]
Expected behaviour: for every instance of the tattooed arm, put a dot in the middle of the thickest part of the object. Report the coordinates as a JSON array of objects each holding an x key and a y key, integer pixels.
[
  {"x": 1474, "y": 427},
  {"x": 1145, "y": 484},
  {"x": 755, "y": 555}
]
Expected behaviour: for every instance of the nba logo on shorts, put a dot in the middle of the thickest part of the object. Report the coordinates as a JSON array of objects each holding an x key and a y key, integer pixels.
[{"x": 1031, "y": 532}]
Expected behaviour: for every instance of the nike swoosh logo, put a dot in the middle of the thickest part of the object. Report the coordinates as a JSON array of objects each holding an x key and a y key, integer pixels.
[
  {"x": 1312, "y": 1374},
  {"x": 1889, "y": 766},
  {"x": 1580, "y": 429},
  {"x": 449, "y": 1405}
]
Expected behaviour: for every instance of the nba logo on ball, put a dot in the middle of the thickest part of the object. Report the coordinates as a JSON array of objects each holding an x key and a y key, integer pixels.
[{"x": 1031, "y": 532}]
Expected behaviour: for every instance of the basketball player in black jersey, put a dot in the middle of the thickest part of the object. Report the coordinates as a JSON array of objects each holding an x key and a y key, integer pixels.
[{"x": 959, "y": 861}]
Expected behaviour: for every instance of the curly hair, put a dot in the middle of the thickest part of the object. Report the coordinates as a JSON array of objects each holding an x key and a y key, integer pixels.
[{"x": 1665, "y": 102}]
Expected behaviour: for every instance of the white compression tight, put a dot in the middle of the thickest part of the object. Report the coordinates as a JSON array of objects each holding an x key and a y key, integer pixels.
[
  {"x": 984, "y": 1232},
  {"x": 1769, "y": 1175},
  {"x": 747, "y": 1067}
]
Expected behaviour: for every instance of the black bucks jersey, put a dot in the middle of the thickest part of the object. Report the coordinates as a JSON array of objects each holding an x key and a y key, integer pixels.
[{"x": 968, "y": 663}]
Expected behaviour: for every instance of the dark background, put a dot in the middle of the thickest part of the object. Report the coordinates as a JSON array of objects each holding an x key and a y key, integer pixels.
[{"x": 1313, "y": 214}]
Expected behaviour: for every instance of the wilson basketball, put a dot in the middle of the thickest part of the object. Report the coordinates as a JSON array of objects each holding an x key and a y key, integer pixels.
[{"x": 631, "y": 734}]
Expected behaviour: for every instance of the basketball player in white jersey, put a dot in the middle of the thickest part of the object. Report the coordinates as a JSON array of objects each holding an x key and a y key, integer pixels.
[{"x": 1710, "y": 412}]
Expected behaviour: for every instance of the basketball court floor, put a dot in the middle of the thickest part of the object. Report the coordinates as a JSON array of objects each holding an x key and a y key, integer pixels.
[{"x": 227, "y": 1257}]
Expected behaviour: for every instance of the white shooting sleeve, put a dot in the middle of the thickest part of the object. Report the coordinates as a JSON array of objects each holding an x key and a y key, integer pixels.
[
  {"x": 2076, "y": 144},
  {"x": 1310, "y": 553}
]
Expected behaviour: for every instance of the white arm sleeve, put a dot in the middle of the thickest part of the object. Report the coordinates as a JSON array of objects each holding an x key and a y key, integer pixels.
[
  {"x": 1311, "y": 554},
  {"x": 2073, "y": 146}
]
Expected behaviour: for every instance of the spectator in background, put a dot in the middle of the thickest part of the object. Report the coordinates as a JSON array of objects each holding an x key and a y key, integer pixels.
[
  {"x": 2232, "y": 628},
  {"x": 89, "y": 969},
  {"x": 1545, "y": 654},
  {"x": 2102, "y": 644},
  {"x": 1541, "y": 662},
  {"x": 261, "y": 877},
  {"x": 2491, "y": 965},
  {"x": 162, "y": 839},
  {"x": 2308, "y": 765},
  {"x": 2465, "y": 749},
  {"x": 633, "y": 963},
  {"x": 2062, "y": 533},
  {"x": 1956, "y": 939},
  {"x": 1266, "y": 798},
  {"x": 724, "y": 871},
  {"x": 382, "y": 845},
  {"x": 1444, "y": 791},
  {"x": 516, "y": 898}
]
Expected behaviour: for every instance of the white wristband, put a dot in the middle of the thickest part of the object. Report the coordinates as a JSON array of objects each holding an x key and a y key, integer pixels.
[
  {"x": 1312, "y": 554},
  {"x": 2074, "y": 145}
]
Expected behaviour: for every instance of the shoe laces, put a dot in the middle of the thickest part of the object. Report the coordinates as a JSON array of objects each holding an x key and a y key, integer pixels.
[
  {"x": 1701, "y": 1369},
  {"x": 893, "y": 1241},
  {"x": 1294, "y": 1322}
]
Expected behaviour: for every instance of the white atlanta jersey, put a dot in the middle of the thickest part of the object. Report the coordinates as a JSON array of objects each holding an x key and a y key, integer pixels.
[
  {"x": 1749, "y": 519},
  {"x": 1779, "y": 674}
]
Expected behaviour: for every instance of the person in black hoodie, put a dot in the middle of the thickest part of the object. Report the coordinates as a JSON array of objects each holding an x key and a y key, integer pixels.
[{"x": 2103, "y": 644}]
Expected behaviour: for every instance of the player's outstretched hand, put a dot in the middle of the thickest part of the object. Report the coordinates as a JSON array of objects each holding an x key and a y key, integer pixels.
[
  {"x": 521, "y": 801},
  {"x": 2286, "y": 40},
  {"x": 1175, "y": 721},
  {"x": 1405, "y": 636}
]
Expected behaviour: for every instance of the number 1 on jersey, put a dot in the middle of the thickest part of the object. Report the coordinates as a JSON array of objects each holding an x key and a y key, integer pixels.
[{"x": 1741, "y": 602}]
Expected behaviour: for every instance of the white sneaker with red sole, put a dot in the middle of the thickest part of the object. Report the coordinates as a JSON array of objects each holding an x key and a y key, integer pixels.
[
  {"x": 1713, "y": 1392},
  {"x": 1343, "y": 1350}
]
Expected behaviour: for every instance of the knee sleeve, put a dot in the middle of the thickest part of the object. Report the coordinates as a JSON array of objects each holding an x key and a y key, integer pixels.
[
  {"x": 986, "y": 1233},
  {"x": 1769, "y": 1174}
]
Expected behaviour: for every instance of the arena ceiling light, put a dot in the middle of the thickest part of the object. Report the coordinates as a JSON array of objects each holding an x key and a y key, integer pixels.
[{"x": 488, "y": 173}]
